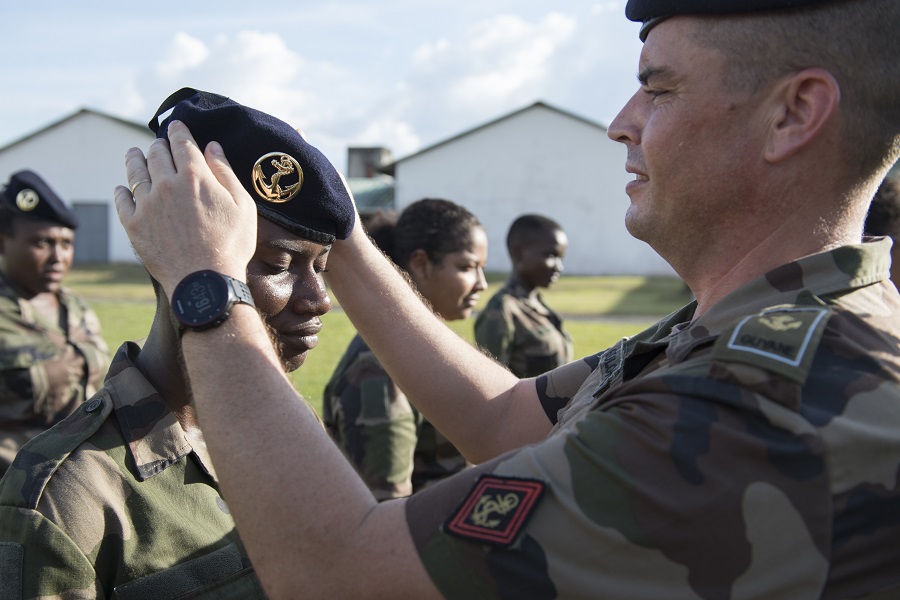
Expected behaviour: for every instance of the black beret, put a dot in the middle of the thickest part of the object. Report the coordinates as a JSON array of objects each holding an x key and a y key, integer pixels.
[
  {"x": 292, "y": 183},
  {"x": 651, "y": 12},
  {"x": 28, "y": 195}
]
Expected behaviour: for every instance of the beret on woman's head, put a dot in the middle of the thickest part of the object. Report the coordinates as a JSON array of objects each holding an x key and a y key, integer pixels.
[{"x": 293, "y": 184}]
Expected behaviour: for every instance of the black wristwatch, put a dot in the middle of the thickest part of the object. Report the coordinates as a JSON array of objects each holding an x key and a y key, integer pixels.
[{"x": 203, "y": 299}]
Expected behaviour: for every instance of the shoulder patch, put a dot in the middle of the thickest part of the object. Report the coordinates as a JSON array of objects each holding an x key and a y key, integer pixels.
[
  {"x": 495, "y": 510},
  {"x": 783, "y": 340}
]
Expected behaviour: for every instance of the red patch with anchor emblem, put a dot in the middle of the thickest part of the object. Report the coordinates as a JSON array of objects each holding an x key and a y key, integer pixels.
[{"x": 496, "y": 510}]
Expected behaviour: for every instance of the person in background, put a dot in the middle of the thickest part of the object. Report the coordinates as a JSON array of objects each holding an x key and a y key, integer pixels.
[
  {"x": 745, "y": 446},
  {"x": 442, "y": 248},
  {"x": 883, "y": 219},
  {"x": 517, "y": 327},
  {"x": 52, "y": 354},
  {"x": 121, "y": 500}
]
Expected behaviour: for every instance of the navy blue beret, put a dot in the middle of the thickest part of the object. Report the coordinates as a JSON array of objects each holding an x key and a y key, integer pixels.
[
  {"x": 651, "y": 12},
  {"x": 28, "y": 195},
  {"x": 293, "y": 184}
]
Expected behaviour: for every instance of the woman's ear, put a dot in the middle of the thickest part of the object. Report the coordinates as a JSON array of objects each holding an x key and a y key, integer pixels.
[
  {"x": 804, "y": 105},
  {"x": 419, "y": 265}
]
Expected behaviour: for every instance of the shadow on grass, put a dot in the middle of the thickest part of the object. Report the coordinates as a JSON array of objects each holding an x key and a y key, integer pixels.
[
  {"x": 577, "y": 297},
  {"x": 109, "y": 274},
  {"x": 107, "y": 282},
  {"x": 653, "y": 295}
]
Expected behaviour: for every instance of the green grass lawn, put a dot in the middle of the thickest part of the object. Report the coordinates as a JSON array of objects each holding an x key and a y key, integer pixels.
[{"x": 598, "y": 312}]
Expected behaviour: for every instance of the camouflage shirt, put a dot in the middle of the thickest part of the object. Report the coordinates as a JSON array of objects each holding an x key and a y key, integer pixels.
[
  {"x": 115, "y": 502},
  {"x": 522, "y": 332},
  {"x": 394, "y": 448},
  {"x": 45, "y": 371},
  {"x": 751, "y": 452}
]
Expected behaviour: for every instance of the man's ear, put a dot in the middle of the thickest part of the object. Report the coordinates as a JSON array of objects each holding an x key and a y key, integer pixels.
[
  {"x": 805, "y": 104},
  {"x": 419, "y": 264}
]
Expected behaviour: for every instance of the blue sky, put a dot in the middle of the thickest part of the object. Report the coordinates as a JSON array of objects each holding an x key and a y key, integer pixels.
[{"x": 392, "y": 73}]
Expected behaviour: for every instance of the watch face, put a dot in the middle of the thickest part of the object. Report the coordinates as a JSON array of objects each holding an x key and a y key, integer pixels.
[{"x": 201, "y": 299}]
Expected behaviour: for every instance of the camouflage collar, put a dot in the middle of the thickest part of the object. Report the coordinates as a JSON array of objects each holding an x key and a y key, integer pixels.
[
  {"x": 516, "y": 288},
  {"x": 152, "y": 433},
  {"x": 811, "y": 280}
]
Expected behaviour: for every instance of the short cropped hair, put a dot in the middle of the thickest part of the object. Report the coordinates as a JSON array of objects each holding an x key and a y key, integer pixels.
[
  {"x": 439, "y": 227},
  {"x": 7, "y": 218},
  {"x": 857, "y": 41},
  {"x": 380, "y": 227},
  {"x": 526, "y": 225},
  {"x": 884, "y": 212}
]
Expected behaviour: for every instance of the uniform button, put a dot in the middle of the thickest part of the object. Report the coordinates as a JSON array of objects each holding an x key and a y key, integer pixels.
[{"x": 94, "y": 405}]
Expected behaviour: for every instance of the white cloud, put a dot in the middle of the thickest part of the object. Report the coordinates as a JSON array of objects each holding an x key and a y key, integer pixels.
[
  {"x": 350, "y": 72},
  {"x": 256, "y": 69},
  {"x": 511, "y": 58},
  {"x": 427, "y": 52},
  {"x": 399, "y": 136},
  {"x": 606, "y": 8},
  {"x": 183, "y": 53},
  {"x": 492, "y": 61}
]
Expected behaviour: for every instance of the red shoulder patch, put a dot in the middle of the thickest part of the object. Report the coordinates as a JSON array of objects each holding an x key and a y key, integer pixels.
[{"x": 496, "y": 510}]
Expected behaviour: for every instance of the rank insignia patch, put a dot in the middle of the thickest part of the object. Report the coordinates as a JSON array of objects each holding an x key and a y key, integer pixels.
[
  {"x": 783, "y": 340},
  {"x": 496, "y": 510}
]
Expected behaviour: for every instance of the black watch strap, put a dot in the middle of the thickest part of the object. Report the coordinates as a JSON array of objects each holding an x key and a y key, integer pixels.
[{"x": 204, "y": 299}]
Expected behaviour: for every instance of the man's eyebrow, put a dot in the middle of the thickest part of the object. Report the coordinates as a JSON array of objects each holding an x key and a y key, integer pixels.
[{"x": 647, "y": 73}]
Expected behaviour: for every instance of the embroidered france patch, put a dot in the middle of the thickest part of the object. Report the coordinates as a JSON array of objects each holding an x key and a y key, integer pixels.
[{"x": 496, "y": 510}]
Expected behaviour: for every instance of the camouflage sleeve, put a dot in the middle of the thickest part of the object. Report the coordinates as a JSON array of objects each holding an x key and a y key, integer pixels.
[
  {"x": 38, "y": 560},
  {"x": 86, "y": 336},
  {"x": 639, "y": 498},
  {"x": 495, "y": 331},
  {"x": 373, "y": 422}
]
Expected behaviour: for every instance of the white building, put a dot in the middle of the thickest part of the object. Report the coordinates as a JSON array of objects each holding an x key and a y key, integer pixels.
[
  {"x": 544, "y": 160},
  {"x": 82, "y": 157}
]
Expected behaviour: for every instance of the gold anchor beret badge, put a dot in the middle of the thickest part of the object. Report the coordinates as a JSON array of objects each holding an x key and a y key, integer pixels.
[{"x": 277, "y": 177}]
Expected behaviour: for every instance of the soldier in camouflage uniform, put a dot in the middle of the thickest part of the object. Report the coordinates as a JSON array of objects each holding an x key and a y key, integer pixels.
[
  {"x": 767, "y": 375},
  {"x": 443, "y": 247},
  {"x": 52, "y": 355},
  {"x": 517, "y": 327},
  {"x": 121, "y": 500},
  {"x": 746, "y": 446}
]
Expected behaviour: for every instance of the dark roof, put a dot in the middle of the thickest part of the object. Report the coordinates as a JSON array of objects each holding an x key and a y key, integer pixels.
[
  {"x": 139, "y": 126},
  {"x": 389, "y": 169},
  {"x": 372, "y": 193}
]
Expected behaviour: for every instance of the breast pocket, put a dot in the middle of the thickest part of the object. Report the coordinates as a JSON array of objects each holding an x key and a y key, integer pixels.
[
  {"x": 222, "y": 574},
  {"x": 25, "y": 385}
]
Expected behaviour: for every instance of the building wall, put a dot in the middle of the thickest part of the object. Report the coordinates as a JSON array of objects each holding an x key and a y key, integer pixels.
[
  {"x": 541, "y": 161},
  {"x": 83, "y": 159}
]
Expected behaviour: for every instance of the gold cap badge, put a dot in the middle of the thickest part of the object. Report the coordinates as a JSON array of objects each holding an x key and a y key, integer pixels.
[
  {"x": 277, "y": 177},
  {"x": 27, "y": 200}
]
